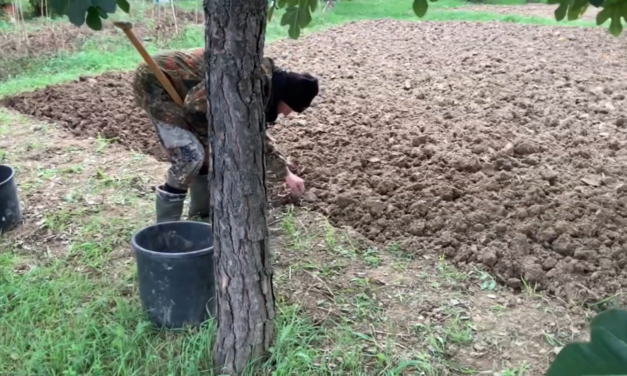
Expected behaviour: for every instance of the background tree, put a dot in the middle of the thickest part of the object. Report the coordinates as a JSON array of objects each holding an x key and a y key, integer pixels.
[{"x": 234, "y": 42}]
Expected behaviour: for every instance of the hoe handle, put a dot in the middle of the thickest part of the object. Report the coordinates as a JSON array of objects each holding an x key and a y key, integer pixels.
[{"x": 127, "y": 27}]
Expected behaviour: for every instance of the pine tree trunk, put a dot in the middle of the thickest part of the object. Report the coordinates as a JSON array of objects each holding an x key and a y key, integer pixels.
[{"x": 234, "y": 41}]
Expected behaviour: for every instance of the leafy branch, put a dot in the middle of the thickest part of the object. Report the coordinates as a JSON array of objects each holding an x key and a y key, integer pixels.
[
  {"x": 91, "y": 12},
  {"x": 611, "y": 9},
  {"x": 298, "y": 13},
  {"x": 605, "y": 354}
]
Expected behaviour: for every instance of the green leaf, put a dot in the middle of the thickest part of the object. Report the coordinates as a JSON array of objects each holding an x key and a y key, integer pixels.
[
  {"x": 420, "y": 7},
  {"x": 622, "y": 10},
  {"x": 297, "y": 18},
  {"x": 616, "y": 27},
  {"x": 102, "y": 13},
  {"x": 75, "y": 11},
  {"x": 293, "y": 31},
  {"x": 58, "y": 6},
  {"x": 603, "y": 16},
  {"x": 611, "y": 3},
  {"x": 93, "y": 19},
  {"x": 304, "y": 15},
  {"x": 287, "y": 16},
  {"x": 577, "y": 9},
  {"x": 281, "y": 4},
  {"x": 107, "y": 5},
  {"x": 124, "y": 5},
  {"x": 290, "y": 17},
  {"x": 313, "y": 5},
  {"x": 560, "y": 12},
  {"x": 270, "y": 13},
  {"x": 87, "y": 11},
  {"x": 605, "y": 354},
  {"x": 596, "y": 3}
]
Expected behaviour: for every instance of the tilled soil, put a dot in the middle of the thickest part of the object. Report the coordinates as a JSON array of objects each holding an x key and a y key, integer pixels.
[
  {"x": 499, "y": 145},
  {"x": 101, "y": 106}
]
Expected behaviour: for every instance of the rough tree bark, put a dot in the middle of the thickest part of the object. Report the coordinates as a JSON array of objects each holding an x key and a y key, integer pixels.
[{"x": 234, "y": 43}]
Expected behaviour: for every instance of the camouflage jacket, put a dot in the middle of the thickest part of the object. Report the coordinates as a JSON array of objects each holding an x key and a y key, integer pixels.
[{"x": 186, "y": 71}]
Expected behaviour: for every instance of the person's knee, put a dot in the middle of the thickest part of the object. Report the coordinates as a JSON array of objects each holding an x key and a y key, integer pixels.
[{"x": 187, "y": 163}]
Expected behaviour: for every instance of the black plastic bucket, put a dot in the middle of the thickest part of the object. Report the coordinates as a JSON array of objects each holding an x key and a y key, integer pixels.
[
  {"x": 176, "y": 274},
  {"x": 10, "y": 210}
]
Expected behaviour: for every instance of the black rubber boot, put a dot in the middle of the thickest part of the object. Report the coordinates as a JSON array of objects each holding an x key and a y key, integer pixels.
[
  {"x": 199, "y": 201},
  {"x": 169, "y": 205}
]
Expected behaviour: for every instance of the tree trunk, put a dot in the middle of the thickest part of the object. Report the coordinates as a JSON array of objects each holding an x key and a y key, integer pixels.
[{"x": 234, "y": 42}]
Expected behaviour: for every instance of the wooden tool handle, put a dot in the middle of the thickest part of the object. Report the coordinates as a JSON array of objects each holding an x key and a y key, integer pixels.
[{"x": 127, "y": 28}]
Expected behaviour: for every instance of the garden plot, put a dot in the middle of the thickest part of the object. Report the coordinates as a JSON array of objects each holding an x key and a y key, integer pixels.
[{"x": 499, "y": 145}]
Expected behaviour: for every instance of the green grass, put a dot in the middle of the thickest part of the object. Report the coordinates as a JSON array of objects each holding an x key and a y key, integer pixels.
[
  {"x": 115, "y": 53},
  {"x": 55, "y": 320}
]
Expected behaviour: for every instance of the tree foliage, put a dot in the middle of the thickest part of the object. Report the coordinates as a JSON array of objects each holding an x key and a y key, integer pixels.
[
  {"x": 298, "y": 13},
  {"x": 605, "y": 354},
  {"x": 612, "y": 10},
  {"x": 91, "y": 12}
]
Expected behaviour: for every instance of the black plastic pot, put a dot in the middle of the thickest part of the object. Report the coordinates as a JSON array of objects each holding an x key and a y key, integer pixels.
[
  {"x": 176, "y": 274},
  {"x": 10, "y": 210}
]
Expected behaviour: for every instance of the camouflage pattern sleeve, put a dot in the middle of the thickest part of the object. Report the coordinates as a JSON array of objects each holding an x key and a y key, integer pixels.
[
  {"x": 277, "y": 163},
  {"x": 196, "y": 99}
]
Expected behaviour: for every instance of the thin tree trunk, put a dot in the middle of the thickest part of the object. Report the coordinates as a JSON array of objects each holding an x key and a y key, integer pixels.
[{"x": 234, "y": 42}]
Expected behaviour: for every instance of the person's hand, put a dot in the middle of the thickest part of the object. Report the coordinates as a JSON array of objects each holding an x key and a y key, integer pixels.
[{"x": 296, "y": 184}]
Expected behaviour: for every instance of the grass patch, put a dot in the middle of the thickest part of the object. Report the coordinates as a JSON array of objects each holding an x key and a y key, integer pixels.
[{"x": 57, "y": 321}]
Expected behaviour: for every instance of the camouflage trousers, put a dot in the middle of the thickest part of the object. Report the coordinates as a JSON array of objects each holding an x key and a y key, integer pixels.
[{"x": 186, "y": 153}]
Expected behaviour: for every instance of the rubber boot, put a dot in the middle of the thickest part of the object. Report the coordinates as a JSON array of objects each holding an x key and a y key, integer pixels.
[
  {"x": 199, "y": 202},
  {"x": 169, "y": 205}
]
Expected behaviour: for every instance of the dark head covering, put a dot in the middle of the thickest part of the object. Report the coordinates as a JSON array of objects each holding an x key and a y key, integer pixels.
[{"x": 297, "y": 90}]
